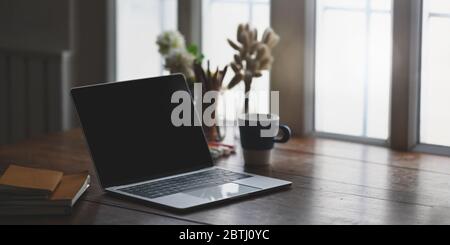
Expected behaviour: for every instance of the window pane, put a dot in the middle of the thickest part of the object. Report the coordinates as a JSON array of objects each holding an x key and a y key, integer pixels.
[
  {"x": 436, "y": 6},
  {"x": 342, "y": 3},
  {"x": 139, "y": 22},
  {"x": 379, "y": 77},
  {"x": 435, "y": 87},
  {"x": 220, "y": 21},
  {"x": 385, "y": 5},
  {"x": 353, "y": 66}
]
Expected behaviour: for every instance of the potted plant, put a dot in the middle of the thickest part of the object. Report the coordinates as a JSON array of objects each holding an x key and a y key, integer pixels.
[
  {"x": 258, "y": 133},
  {"x": 253, "y": 56}
]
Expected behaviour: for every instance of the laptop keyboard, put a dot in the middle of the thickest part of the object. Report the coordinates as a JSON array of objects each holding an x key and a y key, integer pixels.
[{"x": 171, "y": 186}]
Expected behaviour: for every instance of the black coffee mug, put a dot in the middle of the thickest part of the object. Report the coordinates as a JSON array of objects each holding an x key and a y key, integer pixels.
[{"x": 259, "y": 133}]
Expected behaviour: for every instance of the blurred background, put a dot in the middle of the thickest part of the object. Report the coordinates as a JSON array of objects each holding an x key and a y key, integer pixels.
[{"x": 371, "y": 71}]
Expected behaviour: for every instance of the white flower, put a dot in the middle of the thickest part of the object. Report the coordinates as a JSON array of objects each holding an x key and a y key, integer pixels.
[
  {"x": 180, "y": 61},
  {"x": 169, "y": 41}
]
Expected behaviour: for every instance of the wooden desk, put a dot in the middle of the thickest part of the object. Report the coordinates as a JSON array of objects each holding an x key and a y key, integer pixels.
[{"x": 334, "y": 183}]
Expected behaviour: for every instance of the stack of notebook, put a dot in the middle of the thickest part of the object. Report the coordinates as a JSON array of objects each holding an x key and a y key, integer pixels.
[{"x": 31, "y": 191}]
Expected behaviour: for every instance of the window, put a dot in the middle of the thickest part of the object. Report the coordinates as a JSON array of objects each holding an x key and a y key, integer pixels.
[
  {"x": 138, "y": 23},
  {"x": 353, "y": 67},
  {"x": 352, "y": 62},
  {"x": 435, "y": 82},
  {"x": 220, "y": 21}
]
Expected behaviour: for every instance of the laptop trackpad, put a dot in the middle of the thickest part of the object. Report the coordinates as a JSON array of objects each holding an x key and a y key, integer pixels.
[{"x": 222, "y": 191}]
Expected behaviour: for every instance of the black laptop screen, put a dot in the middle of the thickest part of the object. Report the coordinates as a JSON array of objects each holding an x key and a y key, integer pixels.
[{"x": 130, "y": 134}]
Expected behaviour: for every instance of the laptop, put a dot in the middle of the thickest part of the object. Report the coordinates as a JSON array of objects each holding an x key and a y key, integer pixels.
[{"x": 138, "y": 152}]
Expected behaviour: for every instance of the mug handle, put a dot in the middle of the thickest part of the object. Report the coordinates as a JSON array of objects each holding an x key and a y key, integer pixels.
[{"x": 286, "y": 134}]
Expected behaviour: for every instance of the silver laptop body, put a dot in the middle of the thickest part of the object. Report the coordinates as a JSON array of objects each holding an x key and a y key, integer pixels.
[{"x": 196, "y": 197}]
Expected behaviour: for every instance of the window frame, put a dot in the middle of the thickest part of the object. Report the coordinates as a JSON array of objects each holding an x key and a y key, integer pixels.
[
  {"x": 404, "y": 125},
  {"x": 405, "y": 84},
  {"x": 406, "y": 73},
  {"x": 337, "y": 136},
  {"x": 419, "y": 146}
]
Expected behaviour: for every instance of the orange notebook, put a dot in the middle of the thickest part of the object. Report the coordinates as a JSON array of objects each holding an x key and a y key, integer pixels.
[
  {"x": 70, "y": 189},
  {"x": 29, "y": 181},
  {"x": 67, "y": 193}
]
